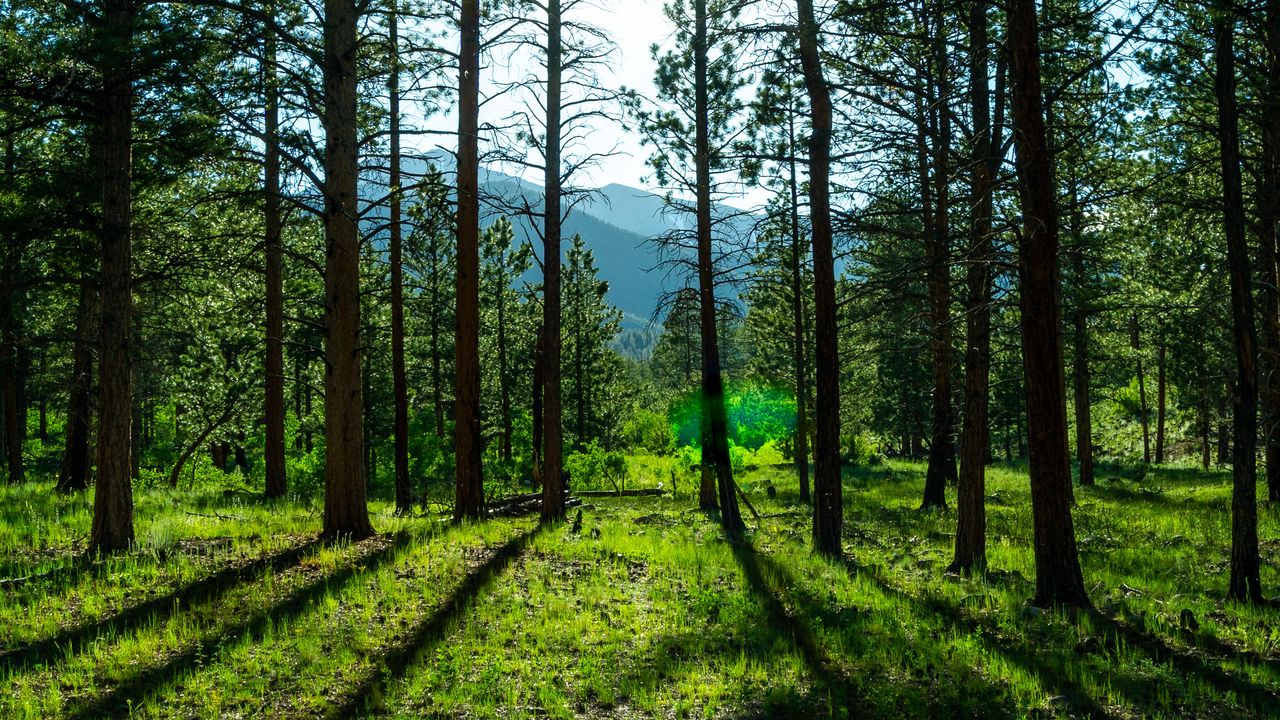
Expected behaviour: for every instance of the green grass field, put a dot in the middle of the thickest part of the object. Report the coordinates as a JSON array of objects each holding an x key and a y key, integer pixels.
[{"x": 230, "y": 608}]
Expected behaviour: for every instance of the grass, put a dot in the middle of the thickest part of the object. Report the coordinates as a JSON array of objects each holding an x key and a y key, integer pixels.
[{"x": 229, "y": 607}]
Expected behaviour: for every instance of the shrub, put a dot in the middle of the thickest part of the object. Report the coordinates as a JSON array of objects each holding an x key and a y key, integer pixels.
[
  {"x": 596, "y": 467},
  {"x": 861, "y": 449},
  {"x": 649, "y": 431}
]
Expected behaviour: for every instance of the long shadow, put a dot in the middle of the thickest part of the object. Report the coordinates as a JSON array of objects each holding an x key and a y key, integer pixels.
[
  {"x": 1258, "y": 698},
  {"x": 1121, "y": 493},
  {"x": 210, "y": 587},
  {"x": 662, "y": 659},
  {"x": 1263, "y": 699},
  {"x": 431, "y": 630},
  {"x": 841, "y": 689},
  {"x": 136, "y": 688},
  {"x": 1050, "y": 676}
]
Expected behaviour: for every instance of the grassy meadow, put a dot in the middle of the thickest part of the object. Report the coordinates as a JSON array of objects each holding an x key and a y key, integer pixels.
[{"x": 230, "y": 608}]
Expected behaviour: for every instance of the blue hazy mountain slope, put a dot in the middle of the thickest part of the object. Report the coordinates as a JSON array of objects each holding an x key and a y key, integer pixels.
[{"x": 616, "y": 223}]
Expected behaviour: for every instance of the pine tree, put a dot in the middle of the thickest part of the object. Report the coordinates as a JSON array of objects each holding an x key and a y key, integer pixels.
[
  {"x": 1058, "y": 577},
  {"x": 345, "y": 511}
]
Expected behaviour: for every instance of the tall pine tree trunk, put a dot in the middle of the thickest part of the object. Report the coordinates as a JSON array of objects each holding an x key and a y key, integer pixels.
[
  {"x": 1161, "y": 388},
  {"x": 399, "y": 386},
  {"x": 713, "y": 404},
  {"x": 971, "y": 511},
  {"x": 74, "y": 474},
  {"x": 828, "y": 508},
  {"x": 15, "y": 411},
  {"x": 1135, "y": 341},
  {"x": 113, "y": 499},
  {"x": 345, "y": 510},
  {"x": 1058, "y": 577},
  {"x": 1269, "y": 242},
  {"x": 942, "y": 461},
  {"x": 553, "y": 484},
  {"x": 469, "y": 490},
  {"x": 1080, "y": 331},
  {"x": 1245, "y": 584},
  {"x": 11, "y": 376},
  {"x": 274, "y": 407},
  {"x": 797, "y": 318}
]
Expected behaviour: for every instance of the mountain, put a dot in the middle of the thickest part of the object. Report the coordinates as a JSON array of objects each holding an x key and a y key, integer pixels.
[{"x": 615, "y": 224}]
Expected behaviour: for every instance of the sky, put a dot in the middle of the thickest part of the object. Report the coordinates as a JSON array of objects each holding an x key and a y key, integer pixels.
[{"x": 634, "y": 25}]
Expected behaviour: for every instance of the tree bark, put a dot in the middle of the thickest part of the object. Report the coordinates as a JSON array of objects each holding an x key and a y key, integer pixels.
[
  {"x": 1245, "y": 584},
  {"x": 273, "y": 403},
  {"x": 1269, "y": 242},
  {"x": 971, "y": 511},
  {"x": 828, "y": 510},
  {"x": 1058, "y": 577},
  {"x": 11, "y": 378},
  {"x": 553, "y": 481},
  {"x": 1160, "y": 401},
  {"x": 113, "y": 499},
  {"x": 186, "y": 454},
  {"x": 1080, "y": 330},
  {"x": 797, "y": 319},
  {"x": 399, "y": 385},
  {"x": 74, "y": 474},
  {"x": 713, "y": 402},
  {"x": 1136, "y": 342},
  {"x": 345, "y": 510},
  {"x": 11, "y": 375},
  {"x": 469, "y": 490},
  {"x": 942, "y": 460},
  {"x": 218, "y": 452}
]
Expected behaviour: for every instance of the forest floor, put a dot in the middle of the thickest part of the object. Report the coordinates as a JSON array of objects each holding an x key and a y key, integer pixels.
[{"x": 231, "y": 608}]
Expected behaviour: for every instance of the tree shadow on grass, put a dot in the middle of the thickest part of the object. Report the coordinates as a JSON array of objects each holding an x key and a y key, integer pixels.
[
  {"x": 210, "y": 587},
  {"x": 118, "y": 701},
  {"x": 1052, "y": 677},
  {"x": 1142, "y": 692},
  {"x": 842, "y": 689},
  {"x": 422, "y": 638},
  {"x": 1261, "y": 699},
  {"x": 1113, "y": 492}
]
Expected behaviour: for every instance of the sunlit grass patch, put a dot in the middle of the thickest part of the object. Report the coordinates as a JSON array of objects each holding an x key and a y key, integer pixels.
[{"x": 643, "y": 609}]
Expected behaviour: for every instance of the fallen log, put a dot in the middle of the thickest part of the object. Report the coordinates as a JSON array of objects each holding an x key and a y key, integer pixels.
[
  {"x": 527, "y": 507},
  {"x": 641, "y": 492},
  {"x": 514, "y": 500}
]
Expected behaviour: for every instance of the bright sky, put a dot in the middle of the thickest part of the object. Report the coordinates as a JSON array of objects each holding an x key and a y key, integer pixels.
[{"x": 634, "y": 25}]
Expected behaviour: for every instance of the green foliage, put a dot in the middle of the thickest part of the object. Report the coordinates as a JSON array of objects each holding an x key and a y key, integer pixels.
[
  {"x": 595, "y": 468},
  {"x": 594, "y": 377},
  {"x": 862, "y": 450},
  {"x": 649, "y": 431},
  {"x": 758, "y": 415}
]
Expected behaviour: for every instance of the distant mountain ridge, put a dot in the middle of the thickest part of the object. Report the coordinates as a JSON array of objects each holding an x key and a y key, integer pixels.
[{"x": 617, "y": 223}]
